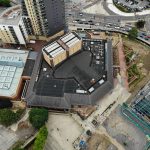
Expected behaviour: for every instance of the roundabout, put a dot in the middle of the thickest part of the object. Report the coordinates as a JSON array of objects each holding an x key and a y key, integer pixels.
[{"x": 112, "y": 7}]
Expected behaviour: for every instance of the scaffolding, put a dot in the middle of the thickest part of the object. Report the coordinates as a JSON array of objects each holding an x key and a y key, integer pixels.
[
  {"x": 135, "y": 119},
  {"x": 143, "y": 108}
]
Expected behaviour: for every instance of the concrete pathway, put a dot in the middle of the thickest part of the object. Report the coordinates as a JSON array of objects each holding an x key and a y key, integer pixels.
[
  {"x": 96, "y": 9},
  {"x": 122, "y": 63}
]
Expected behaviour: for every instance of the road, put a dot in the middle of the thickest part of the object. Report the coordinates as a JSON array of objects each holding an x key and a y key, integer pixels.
[
  {"x": 112, "y": 27},
  {"x": 112, "y": 17}
]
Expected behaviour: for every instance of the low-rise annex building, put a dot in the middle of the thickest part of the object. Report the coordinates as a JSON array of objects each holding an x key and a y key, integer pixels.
[
  {"x": 12, "y": 63},
  {"x": 61, "y": 49}
]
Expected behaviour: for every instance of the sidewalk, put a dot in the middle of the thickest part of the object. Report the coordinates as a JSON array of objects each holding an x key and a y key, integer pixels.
[{"x": 123, "y": 70}]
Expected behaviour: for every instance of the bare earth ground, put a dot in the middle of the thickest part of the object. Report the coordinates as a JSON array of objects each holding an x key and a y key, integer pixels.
[
  {"x": 124, "y": 132},
  {"x": 100, "y": 142},
  {"x": 137, "y": 46},
  {"x": 141, "y": 49},
  {"x": 143, "y": 61}
]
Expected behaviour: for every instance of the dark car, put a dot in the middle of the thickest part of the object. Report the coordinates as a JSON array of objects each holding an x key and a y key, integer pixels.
[
  {"x": 146, "y": 39},
  {"x": 90, "y": 21},
  {"x": 144, "y": 34},
  {"x": 80, "y": 22}
]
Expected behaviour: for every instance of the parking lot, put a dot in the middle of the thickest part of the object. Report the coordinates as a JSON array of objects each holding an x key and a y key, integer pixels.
[{"x": 133, "y": 5}]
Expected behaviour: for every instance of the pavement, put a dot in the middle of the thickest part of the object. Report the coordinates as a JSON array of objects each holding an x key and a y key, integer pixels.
[
  {"x": 14, "y": 127},
  {"x": 63, "y": 131},
  {"x": 117, "y": 97},
  {"x": 96, "y": 9},
  {"x": 7, "y": 138},
  {"x": 105, "y": 11},
  {"x": 112, "y": 28},
  {"x": 147, "y": 24}
]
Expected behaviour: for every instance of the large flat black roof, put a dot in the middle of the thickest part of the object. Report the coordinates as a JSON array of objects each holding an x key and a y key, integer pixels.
[
  {"x": 80, "y": 80},
  {"x": 80, "y": 68}
]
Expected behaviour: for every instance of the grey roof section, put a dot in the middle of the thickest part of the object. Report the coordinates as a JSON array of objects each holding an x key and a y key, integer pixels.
[
  {"x": 11, "y": 21},
  {"x": 28, "y": 68},
  {"x": 11, "y": 70},
  {"x": 32, "y": 55},
  {"x": 70, "y": 99},
  {"x": 30, "y": 63}
]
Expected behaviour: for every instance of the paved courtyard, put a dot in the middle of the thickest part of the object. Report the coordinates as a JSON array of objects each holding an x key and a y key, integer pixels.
[
  {"x": 7, "y": 138},
  {"x": 63, "y": 131},
  {"x": 97, "y": 8}
]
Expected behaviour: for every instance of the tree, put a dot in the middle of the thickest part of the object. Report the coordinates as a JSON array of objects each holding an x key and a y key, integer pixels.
[
  {"x": 7, "y": 117},
  {"x": 40, "y": 139},
  {"x": 140, "y": 24},
  {"x": 5, "y": 3},
  {"x": 89, "y": 133},
  {"x": 133, "y": 33},
  {"x": 38, "y": 117}
]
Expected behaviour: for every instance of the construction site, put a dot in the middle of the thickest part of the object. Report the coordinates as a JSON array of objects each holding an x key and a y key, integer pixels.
[{"x": 139, "y": 112}]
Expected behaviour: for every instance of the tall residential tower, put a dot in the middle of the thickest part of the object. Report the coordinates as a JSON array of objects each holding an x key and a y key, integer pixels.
[
  {"x": 47, "y": 16},
  {"x": 14, "y": 28}
]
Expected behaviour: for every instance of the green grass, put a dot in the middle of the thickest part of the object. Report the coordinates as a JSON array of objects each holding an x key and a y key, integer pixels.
[{"x": 135, "y": 69}]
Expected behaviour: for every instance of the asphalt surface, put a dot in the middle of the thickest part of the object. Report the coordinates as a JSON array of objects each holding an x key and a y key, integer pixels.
[{"x": 113, "y": 18}]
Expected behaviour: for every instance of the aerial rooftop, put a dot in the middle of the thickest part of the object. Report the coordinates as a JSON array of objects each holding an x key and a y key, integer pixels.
[
  {"x": 11, "y": 67},
  {"x": 53, "y": 49},
  {"x": 11, "y": 16},
  {"x": 82, "y": 79},
  {"x": 58, "y": 51}
]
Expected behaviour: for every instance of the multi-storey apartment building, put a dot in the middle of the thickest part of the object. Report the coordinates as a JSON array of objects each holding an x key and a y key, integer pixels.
[
  {"x": 47, "y": 16},
  {"x": 14, "y": 28}
]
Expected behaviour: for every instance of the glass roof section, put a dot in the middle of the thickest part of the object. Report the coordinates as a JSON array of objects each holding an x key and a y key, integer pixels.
[{"x": 12, "y": 63}]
